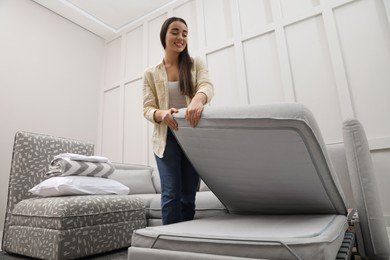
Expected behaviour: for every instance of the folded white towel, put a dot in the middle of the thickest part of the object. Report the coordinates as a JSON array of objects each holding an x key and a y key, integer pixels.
[{"x": 81, "y": 157}]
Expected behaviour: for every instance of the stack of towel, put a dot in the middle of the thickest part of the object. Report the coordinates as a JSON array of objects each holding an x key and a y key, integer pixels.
[{"x": 67, "y": 164}]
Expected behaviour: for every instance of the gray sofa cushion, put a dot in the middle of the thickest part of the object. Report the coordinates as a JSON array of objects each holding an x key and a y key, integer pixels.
[
  {"x": 207, "y": 204},
  {"x": 253, "y": 236},
  {"x": 364, "y": 187},
  {"x": 269, "y": 166},
  {"x": 263, "y": 159},
  {"x": 77, "y": 211},
  {"x": 139, "y": 181}
]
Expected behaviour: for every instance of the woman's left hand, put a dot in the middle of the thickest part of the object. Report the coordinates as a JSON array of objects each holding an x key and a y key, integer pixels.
[{"x": 194, "y": 109}]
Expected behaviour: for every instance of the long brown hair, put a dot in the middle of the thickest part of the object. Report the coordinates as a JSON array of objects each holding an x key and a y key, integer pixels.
[{"x": 185, "y": 61}]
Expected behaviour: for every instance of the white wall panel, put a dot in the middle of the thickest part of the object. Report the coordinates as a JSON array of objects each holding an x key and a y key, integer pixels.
[
  {"x": 313, "y": 78},
  {"x": 365, "y": 41},
  {"x": 222, "y": 71},
  {"x": 134, "y": 54},
  {"x": 111, "y": 130},
  {"x": 297, "y": 7},
  {"x": 263, "y": 70},
  {"x": 187, "y": 11},
  {"x": 218, "y": 22},
  {"x": 135, "y": 131},
  {"x": 254, "y": 15},
  {"x": 155, "y": 49},
  {"x": 113, "y": 63}
]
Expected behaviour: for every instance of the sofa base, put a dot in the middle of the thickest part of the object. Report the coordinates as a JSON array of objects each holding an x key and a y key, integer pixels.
[
  {"x": 72, "y": 243},
  {"x": 69, "y": 227},
  {"x": 137, "y": 253}
]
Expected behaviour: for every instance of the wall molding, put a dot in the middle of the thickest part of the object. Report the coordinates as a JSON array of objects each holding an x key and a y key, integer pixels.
[
  {"x": 379, "y": 143},
  {"x": 278, "y": 26},
  {"x": 325, "y": 9}
]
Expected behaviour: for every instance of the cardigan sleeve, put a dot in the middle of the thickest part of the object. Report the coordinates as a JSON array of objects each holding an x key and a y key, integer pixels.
[
  {"x": 150, "y": 105},
  {"x": 202, "y": 82}
]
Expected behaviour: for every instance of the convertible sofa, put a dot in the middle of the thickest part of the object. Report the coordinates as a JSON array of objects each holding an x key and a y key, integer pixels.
[
  {"x": 288, "y": 195},
  {"x": 69, "y": 227}
]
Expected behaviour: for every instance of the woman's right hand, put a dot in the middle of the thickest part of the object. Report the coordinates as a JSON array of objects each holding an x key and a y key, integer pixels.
[{"x": 167, "y": 118}]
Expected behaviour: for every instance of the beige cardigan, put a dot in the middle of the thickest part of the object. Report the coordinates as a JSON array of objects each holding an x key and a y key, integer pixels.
[{"x": 156, "y": 96}]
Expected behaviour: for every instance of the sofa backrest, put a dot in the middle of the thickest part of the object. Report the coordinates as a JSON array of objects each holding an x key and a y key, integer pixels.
[
  {"x": 32, "y": 154},
  {"x": 365, "y": 191},
  {"x": 138, "y": 178}
]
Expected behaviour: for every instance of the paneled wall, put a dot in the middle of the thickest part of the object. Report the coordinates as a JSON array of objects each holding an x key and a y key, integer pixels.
[{"x": 331, "y": 55}]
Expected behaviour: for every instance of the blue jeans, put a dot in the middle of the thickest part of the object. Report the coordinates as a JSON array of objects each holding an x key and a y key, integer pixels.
[{"x": 179, "y": 183}]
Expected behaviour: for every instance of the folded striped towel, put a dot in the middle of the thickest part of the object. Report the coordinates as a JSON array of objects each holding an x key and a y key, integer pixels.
[
  {"x": 81, "y": 157},
  {"x": 93, "y": 166}
]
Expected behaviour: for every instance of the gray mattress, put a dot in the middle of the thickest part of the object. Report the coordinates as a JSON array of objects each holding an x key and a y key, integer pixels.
[
  {"x": 269, "y": 166},
  {"x": 254, "y": 236}
]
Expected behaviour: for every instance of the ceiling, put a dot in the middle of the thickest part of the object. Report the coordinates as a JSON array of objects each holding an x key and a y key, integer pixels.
[{"x": 103, "y": 17}]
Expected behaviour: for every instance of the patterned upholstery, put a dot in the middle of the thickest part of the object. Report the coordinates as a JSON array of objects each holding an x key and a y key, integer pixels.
[
  {"x": 62, "y": 227},
  {"x": 76, "y": 211}
]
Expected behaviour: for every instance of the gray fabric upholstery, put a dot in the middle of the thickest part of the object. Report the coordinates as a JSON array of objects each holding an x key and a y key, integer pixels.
[
  {"x": 137, "y": 253},
  {"x": 137, "y": 178},
  {"x": 263, "y": 159},
  {"x": 269, "y": 166},
  {"x": 253, "y": 236},
  {"x": 207, "y": 205},
  {"x": 337, "y": 157},
  {"x": 62, "y": 227},
  {"x": 148, "y": 190},
  {"x": 31, "y": 157},
  {"x": 376, "y": 242},
  {"x": 55, "y": 244},
  {"x": 69, "y": 212}
]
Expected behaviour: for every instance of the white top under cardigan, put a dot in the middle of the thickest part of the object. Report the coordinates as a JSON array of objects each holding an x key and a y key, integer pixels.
[{"x": 176, "y": 99}]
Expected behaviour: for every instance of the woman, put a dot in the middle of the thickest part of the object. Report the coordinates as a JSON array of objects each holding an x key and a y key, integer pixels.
[{"x": 178, "y": 81}]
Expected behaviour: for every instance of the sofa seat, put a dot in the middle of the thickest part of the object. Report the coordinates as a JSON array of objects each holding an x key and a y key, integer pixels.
[
  {"x": 252, "y": 236},
  {"x": 74, "y": 226},
  {"x": 269, "y": 167},
  {"x": 207, "y": 205}
]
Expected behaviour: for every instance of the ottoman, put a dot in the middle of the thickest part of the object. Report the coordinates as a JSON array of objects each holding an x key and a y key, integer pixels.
[{"x": 70, "y": 227}]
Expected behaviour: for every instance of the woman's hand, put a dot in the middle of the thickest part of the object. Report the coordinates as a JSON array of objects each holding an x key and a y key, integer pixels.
[
  {"x": 195, "y": 108},
  {"x": 167, "y": 118}
]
